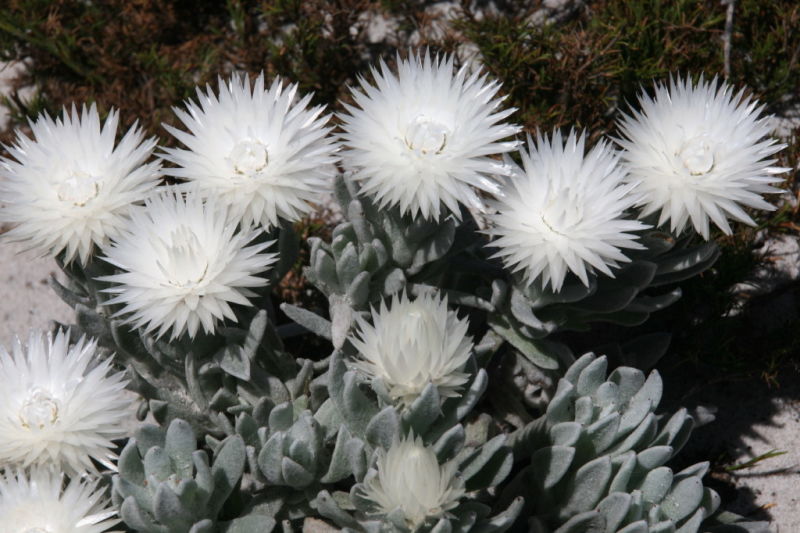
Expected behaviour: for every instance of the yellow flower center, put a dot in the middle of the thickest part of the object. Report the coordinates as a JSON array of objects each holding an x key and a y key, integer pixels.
[
  {"x": 78, "y": 188},
  {"x": 39, "y": 410},
  {"x": 697, "y": 156},
  {"x": 426, "y": 136},
  {"x": 249, "y": 157}
]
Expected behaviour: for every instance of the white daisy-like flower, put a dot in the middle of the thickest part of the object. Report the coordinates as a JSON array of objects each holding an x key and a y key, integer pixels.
[
  {"x": 184, "y": 262},
  {"x": 564, "y": 211},
  {"x": 424, "y": 136},
  {"x": 700, "y": 152},
  {"x": 71, "y": 188},
  {"x": 414, "y": 343},
  {"x": 260, "y": 151},
  {"x": 410, "y": 478},
  {"x": 39, "y": 503},
  {"x": 59, "y": 404}
]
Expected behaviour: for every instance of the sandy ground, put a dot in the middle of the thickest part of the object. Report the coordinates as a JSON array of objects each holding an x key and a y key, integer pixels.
[
  {"x": 753, "y": 420},
  {"x": 26, "y": 300}
]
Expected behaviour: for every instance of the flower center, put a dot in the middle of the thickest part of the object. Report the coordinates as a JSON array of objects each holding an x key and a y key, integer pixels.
[
  {"x": 78, "y": 188},
  {"x": 39, "y": 410},
  {"x": 426, "y": 135},
  {"x": 697, "y": 156},
  {"x": 563, "y": 211},
  {"x": 249, "y": 157},
  {"x": 187, "y": 263}
]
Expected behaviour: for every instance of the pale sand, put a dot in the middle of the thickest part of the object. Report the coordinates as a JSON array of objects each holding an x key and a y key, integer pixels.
[{"x": 26, "y": 299}]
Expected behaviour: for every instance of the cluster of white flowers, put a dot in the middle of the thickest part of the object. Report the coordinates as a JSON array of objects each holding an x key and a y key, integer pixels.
[
  {"x": 424, "y": 141},
  {"x": 417, "y": 140},
  {"x": 60, "y": 409}
]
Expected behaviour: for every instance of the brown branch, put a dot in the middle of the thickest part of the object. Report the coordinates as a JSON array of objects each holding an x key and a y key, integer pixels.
[{"x": 727, "y": 37}]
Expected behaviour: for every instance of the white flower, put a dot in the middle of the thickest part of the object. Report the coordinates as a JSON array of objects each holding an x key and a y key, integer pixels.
[
  {"x": 410, "y": 478},
  {"x": 38, "y": 504},
  {"x": 699, "y": 152},
  {"x": 564, "y": 212},
  {"x": 70, "y": 189},
  {"x": 184, "y": 263},
  {"x": 257, "y": 150},
  {"x": 412, "y": 344},
  {"x": 59, "y": 404},
  {"x": 423, "y": 137}
]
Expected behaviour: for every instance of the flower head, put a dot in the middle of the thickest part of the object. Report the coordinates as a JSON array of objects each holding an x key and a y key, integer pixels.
[
  {"x": 71, "y": 188},
  {"x": 412, "y": 344},
  {"x": 700, "y": 152},
  {"x": 423, "y": 137},
  {"x": 184, "y": 262},
  {"x": 408, "y": 477},
  {"x": 60, "y": 405},
  {"x": 564, "y": 211},
  {"x": 38, "y": 504},
  {"x": 259, "y": 151}
]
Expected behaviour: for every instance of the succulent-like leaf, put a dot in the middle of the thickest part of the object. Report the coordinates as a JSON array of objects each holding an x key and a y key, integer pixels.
[{"x": 601, "y": 454}]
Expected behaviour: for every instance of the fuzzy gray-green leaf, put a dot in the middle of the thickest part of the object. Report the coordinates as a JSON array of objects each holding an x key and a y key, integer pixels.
[
  {"x": 614, "y": 509},
  {"x": 566, "y": 433},
  {"x": 654, "y": 456},
  {"x": 489, "y": 465},
  {"x": 339, "y": 466},
  {"x": 347, "y": 265},
  {"x": 269, "y": 458},
  {"x": 250, "y": 524},
  {"x": 588, "y": 522},
  {"x": 424, "y": 410},
  {"x": 683, "y": 499},
  {"x": 157, "y": 464},
  {"x": 533, "y": 351},
  {"x": 435, "y": 247},
  {"x": 449, "y": 444},
  {"x": 227, "y": 469},
  {"x": 656, "y": 484},
  {"x": 550, "y": 464},
  {"x": 294, "y": 474},
  {"x": 168, "y": 510},
  {"x": 281, "y": 417},
  {"x": 311, "y": 321},
  {"x": 203, "y": 526},
  {"x": 130, "y": 464},
  {"x": 383, "y": 428},
  {"x": 588, "y": 487},
  {"x": 138, "y": 519},
  {"x": 255, "y": 334},
  {"x": 358, "y": 291},
  {"x": 592, "y": 377},
  {"x": 180, "y": 444}
]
